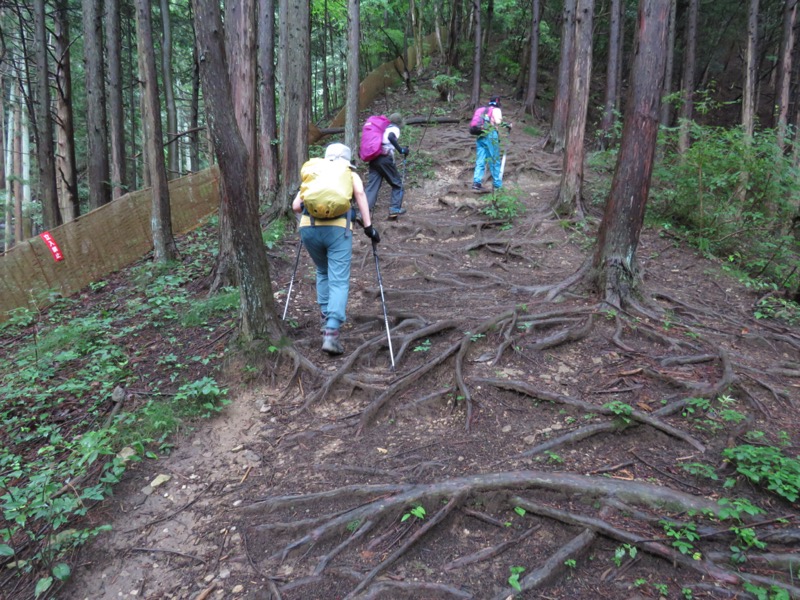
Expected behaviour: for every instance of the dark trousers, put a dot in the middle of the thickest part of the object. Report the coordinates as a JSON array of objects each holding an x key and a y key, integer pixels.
[{"x": 382, "y": 168}]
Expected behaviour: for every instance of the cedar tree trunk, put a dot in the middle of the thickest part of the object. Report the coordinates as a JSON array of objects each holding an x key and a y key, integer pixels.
[{"x": 615, "y": 265}]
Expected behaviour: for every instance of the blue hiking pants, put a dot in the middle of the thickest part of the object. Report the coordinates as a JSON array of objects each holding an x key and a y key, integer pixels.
[
  {"x": 487, "y": 149},
  {"x": 331, "y": 249}
]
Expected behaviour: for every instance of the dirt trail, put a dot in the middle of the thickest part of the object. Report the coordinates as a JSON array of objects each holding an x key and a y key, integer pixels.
[{"x": 203, "y": 533}]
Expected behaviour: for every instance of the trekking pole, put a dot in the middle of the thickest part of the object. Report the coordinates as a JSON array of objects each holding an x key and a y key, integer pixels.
[
  {"x": 383, "y": 301},
  {"x": 291, "y": 282}
]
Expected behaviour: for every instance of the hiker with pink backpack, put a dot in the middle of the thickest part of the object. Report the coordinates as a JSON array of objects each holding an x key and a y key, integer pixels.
[
  {"x": 485, "y": 122},
  {"x": 379, "y": 140}
]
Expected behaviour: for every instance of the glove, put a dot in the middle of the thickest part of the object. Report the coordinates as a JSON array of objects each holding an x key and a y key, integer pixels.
[
  {"x": 372, "y": 234},
  {"x": 404, "y": 150},
  {"x": 508, "y": 126}
]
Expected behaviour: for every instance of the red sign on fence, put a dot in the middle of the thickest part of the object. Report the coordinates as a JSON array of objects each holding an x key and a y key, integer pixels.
[{"x": 51, "y": 243}]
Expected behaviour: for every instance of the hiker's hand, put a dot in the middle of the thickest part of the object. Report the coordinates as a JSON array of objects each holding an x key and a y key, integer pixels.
[
  {"x": 508, "y": 126},
  {"x": 372, "y": 234},
  {"x": 404, "y": 150}
]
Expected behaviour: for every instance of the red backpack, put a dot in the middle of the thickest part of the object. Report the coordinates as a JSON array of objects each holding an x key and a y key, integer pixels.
[
  {"x": 480, "y": 119},
  {"x": 372, "y": 137}
]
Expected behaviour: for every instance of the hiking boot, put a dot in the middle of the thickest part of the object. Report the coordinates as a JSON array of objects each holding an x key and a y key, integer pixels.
[
  {"x": 477, "y": 186},
  {"x": 323, "y": 322},
  {"x": 395, "y": 212},
  {"x": 331, "y": 343}
]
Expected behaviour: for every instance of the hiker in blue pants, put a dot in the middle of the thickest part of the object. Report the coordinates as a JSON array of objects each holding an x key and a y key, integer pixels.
[
  {"x": 487, "y": 147},
  {"x": 330, "y": 244},
  {"x": 383, "y": 167}
]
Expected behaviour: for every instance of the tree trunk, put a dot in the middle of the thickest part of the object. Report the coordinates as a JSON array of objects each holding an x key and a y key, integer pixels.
[
  {"x": 612, "y": 72},
  {"x": 133, "y": 67},
  {"x": 616, "y": 270},
  {"x": 51, "y": 217},
  {"x": 533, "y": 61},
  {"x": 8, "y": 158},
  {"x": 164, "y": 249},
  {"x": 119, "y": 184},
  {"x": 25, "y": 155},
  {"x": 785, "y": 69},
  {"x": 558, "y": 125},
  {"x": 296, "y": 100},
  {"x": 194, "y": 110},
  {"x": 240, "y": 45},
  {"x": 238, "y": 172},
  {"x": 353, "y": 53},
  {"x": 568, "y": 199},
  {"x": 475, "y": 97},
  {"x": 669, "y": 68},
  {"x": 268, "y": 136},
  {"x": 173, "y": 154},
  {"x": 687, "y": 84},
  {"x": 453, "y": 57},
  {"x": 750, "y": 72},
  {"x": 16, "y": 170},
  {"x": 67, "y": 170},
  {"x": 97, "y": 135}
]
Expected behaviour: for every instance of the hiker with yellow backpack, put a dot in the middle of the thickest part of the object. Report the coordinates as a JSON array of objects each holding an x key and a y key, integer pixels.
[{"x": 326, "y": 229}]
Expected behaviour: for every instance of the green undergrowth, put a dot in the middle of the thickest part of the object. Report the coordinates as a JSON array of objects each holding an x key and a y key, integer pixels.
[
  {"x": 82, "y": 397},
  {"x": 735, "y": 199}
]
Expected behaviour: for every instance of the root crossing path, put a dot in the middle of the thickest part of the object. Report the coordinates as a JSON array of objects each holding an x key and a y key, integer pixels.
[{"x": 528, "y": 444}]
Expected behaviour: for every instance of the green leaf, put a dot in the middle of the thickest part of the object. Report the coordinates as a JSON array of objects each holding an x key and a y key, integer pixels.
[
  {"x": 519, "y": 510},
  {"x": 43, "y": 585},
  {"x": 6, "y": 550},
  {"x": 61, "y": 571}
]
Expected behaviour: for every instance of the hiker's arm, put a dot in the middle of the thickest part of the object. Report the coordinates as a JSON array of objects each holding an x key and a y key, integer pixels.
[
  {"x": 393, "y": 141},
  {"x": 297, "y": 204},
  {"x": 361, "y": 200}
]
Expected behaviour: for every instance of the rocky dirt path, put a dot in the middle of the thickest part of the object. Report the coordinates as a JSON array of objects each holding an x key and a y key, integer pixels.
[{"x": 458, "y": 286}]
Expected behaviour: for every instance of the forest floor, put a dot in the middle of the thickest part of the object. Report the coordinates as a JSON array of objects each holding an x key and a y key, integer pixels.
[{"x": 557, "y": 443}]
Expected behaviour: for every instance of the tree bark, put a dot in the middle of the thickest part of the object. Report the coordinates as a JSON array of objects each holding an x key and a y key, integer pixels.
[
  {"x": 238, "y": 172},
  {"x": 687, "y": 84},
  {"x": 353, "y": 79},
  {"x": 475, "y": 97},
  {"x": 616, "y": 272},
  {"x": 785, "y": 70},
  {"x": 268, "y": 137},
  {"x": 558, "y": 125},
  {"x": 750, "y": 72},
  {"x": 164, "y": 249},
  {"x": 173, "y": 153},
  {"x": 97, "y": 133},
  {"x": 115, "y": 106},
  {"x": 612, "y": 73},
  {"x": 568, "y": 199},
  {"x": 51, "y": 216},
  {"x": 533, "y": 60},
  {"x": 66, "y": 166},
  {"x": 669, "y": 68},
  {"x": 296, "y": 98}
]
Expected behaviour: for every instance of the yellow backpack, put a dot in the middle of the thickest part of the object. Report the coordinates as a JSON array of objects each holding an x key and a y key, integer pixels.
[{"x": 327, "y": 187}]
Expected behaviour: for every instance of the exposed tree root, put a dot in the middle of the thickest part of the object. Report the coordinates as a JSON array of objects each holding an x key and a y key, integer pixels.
[
  {"x": 554, "y": 565},
  {"x": 488, "y": 553},
  {"x": 413, "y": 589},
  {"x": 390, "y": 560},
  {"x": 636, "y": 415},
  {"x": 703, "y": 566},
  {"x": 394, "y": 498}
]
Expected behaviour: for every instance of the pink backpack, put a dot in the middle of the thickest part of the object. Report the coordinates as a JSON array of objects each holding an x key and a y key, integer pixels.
[
  {"x": 372, "y": 137},
  {"x": 480, "y": 119}
]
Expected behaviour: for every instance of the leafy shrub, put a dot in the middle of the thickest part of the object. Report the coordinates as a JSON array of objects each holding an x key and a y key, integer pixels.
[{"x": 767, "y": 466}]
